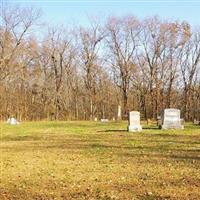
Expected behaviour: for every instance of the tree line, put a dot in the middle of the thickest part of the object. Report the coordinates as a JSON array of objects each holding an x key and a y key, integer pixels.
[{"x": 80, "y": 73}]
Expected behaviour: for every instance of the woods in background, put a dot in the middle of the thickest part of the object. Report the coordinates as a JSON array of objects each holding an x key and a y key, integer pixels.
[{"x": 83, "y": 73}]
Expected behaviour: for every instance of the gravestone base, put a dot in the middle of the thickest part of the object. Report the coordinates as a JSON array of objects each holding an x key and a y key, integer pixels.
[
  {"x": 196, "y": 122},
  {"x": 134, "y": 128},
  {"x": 104, "y": 120},
  {"x": 165, "y": 127}
]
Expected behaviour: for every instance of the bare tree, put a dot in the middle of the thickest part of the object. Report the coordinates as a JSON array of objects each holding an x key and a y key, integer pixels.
[
  {"x": 16, "y": 25},
  {"x": 122, "y": 42},
  {"x": 189, "y": 64},
  {"x": 61, "y": 54},
  {"x": 90, "y": 42},
  {"x": 147, "y": 65}
]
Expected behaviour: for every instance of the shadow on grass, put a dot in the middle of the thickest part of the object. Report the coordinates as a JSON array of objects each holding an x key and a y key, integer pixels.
[
  {"x": 185, "y": 157},
  {"x": 103, "y": 131},
  {"x": 151, "y": 128},
  {"x": 174, "y": 146},
  {"x": 150, "y": 149},
  {"x": 125, "y": 130},
  {"x": 21, "y": 138}
]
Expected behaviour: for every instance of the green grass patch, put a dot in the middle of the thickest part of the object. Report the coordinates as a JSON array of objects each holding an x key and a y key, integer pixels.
[{"x": 94, "y": 160}]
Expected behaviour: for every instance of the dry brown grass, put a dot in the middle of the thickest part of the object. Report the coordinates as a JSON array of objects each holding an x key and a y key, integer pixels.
[{"x": 88, "y": 160}]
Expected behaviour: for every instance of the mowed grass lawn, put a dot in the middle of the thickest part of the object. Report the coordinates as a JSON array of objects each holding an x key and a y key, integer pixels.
[{"x": 94, "y": 160}]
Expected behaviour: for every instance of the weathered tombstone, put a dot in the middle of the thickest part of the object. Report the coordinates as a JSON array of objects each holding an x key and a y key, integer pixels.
[
  {"x": 95, "y": 119},
  {"x": 159, "y": 121},
  {"x": 196, "y": 122},
  {"x": 8, "y": 121},
  {"x": 12, "y": 121},
  {"x": 182, "y": 121},
  {"x": 104, "y": 120},
  {"x": 134, "y": 122},
  {"x": 171, "y": 119},
  {"x": 119, "y": 113}
]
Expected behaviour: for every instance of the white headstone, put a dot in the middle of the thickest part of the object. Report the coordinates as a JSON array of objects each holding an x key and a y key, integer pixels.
[
  {"x": 104, "y": 120},
  {"x": 119, "y": 113},
  {"x": 196, "y": 122},
  {"x": 95, "y": 119},
  {"x": 12, "y": 121},
  {"x": 8, "y": 121},
  {"x": 171, "y": 119},
  {"x": 134, "y": 121}
]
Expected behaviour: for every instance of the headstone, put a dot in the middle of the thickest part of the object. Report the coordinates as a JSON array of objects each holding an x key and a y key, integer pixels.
[
  {"x": 12, "y": 121},
  {"x": 119, "y": 113},
  {"x": 196, "y": 122},
  {"x": 104, "y": 120},
  {"x": 182, "y": 121},
  {"x": 159, "y": 121},
  {"x": 8, "y": 121},
  {"x": 171, "y": 119},
  {"x": 134, "y": 122},
  {"x": 95, "y": 119},
  {"x": 113, "y": 118}
]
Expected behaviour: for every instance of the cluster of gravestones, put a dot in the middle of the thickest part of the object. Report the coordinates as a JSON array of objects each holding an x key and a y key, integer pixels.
[
  {"x": 170, "y": 119},
  {"x": 12, "y": 121}
]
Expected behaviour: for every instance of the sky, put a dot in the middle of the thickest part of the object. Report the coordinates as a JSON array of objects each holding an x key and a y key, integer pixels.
[{"x": 78, "y": 12}]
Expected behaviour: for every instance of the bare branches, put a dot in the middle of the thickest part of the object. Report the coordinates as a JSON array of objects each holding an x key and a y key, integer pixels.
[
  {"x": 147, "y": 64},
  {"x": 16, "y": 25}
]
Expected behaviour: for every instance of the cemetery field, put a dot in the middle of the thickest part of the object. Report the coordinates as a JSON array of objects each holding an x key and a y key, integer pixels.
[{"x": 94, "y": 160}]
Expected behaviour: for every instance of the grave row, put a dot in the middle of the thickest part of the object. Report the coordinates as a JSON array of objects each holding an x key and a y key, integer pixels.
[{"x": 170, "y": 119}]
